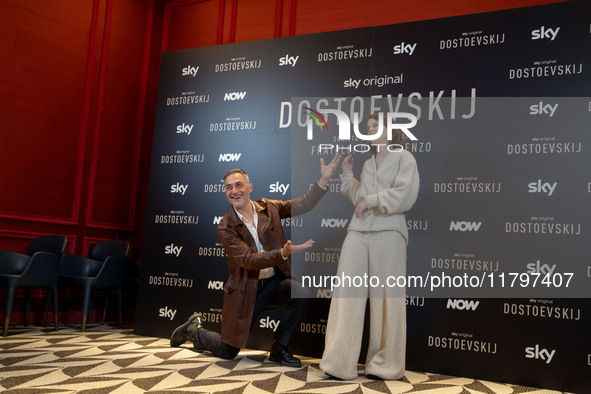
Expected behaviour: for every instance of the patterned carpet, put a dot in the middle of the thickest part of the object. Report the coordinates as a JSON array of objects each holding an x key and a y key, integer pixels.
[{"x": 110, "y": 360}]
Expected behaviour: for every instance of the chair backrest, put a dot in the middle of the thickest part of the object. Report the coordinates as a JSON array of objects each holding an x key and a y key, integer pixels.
[
  {"x": 105, "y": 249},
  {"x": 42, "y": 271},
  {"x": 13, "y": 263},
  {"x": 55, "y": 244}
]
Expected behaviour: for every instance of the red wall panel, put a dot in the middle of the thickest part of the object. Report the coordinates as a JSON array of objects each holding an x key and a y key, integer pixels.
[
  {"x": 321, "y": 16},
  {"x": 43, "y": 67},
  {"x": 73, "y": 78},
  {"x": 192, "y": 24},
  {"x": 73, "y": 83},
  {"x": 255, "y": 20},
  {"x": 118, "y": 131}
]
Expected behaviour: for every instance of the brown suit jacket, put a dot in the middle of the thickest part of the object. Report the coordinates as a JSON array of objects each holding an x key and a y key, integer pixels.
[{"x": 244, "y": 262}]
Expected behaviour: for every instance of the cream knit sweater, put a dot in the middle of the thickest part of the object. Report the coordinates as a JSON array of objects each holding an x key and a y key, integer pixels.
[{"x": 388, "y": 191}]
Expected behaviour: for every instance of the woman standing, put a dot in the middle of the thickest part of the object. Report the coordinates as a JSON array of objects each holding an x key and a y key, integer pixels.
[{"x": 375, "y": 246}]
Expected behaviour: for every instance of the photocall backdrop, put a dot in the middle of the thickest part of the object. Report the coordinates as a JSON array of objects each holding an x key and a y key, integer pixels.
[{"x": 503, "y": 109}]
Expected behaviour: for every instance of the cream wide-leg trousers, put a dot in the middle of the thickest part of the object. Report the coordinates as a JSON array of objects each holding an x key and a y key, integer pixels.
[{"x": 380, "y": 254}]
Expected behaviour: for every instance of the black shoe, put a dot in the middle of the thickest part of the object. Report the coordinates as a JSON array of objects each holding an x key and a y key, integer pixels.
[
  {"x": 376, "y": 377},
  {"x": 185, "y": 332},
  {"x": 280, "y": 354}
]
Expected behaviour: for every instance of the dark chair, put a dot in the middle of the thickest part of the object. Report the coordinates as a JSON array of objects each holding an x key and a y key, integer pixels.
[
  {"x": 39, "y": 269},
  {"x": 103, "y": 270}
]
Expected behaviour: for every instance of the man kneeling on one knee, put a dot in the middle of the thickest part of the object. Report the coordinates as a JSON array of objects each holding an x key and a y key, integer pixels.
[{"x": 259, "y": 269}]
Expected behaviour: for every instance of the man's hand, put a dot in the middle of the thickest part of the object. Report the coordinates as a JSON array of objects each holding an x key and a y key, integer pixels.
[
  {"x": 327, "y": 170},
  {"x": 288, "y": 248}
]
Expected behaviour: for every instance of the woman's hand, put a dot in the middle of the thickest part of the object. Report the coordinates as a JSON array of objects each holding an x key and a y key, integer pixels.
[
  {"x": 360, "y": 209},
  {"x": 347, "y": 164}
]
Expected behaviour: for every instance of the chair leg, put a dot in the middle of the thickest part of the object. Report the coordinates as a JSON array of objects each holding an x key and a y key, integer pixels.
[
  {"x": 10, "y": 289},
  {"x": 86, "y": 309},
  {"x": 5, "y": 327},
  {"x": 48, "y": 297},
  {"x": 27, "y": 297},
  {"x": 55, "y": 308},
  {"x": 120, "y": 305},
  {"x": 105, "y": 309}
]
